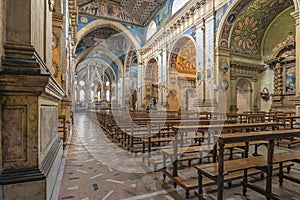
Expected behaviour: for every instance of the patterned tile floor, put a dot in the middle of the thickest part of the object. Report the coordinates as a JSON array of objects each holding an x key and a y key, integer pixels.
[{"x": 96, "y": 169}]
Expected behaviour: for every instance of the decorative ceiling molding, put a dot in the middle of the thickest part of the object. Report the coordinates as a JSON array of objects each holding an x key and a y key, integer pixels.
[
  {"x": 245, "y": 69},
  {"x": 73, "y": 20},
  {"x": 133, "y": 11}
]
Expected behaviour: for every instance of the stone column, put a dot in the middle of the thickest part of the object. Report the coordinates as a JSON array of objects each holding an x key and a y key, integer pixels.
[
  {"x": 31, "y": 150},
  {"x": 160, "y": 78},
  {"x": 233, "y": 96},
  {"x": 255, "y": 95},
  {"x": 200, "y": 63},
  {"x": 209, "y": 62},
  {"x": 226, "y": 97},
  {"x": 165, "y": 70}
]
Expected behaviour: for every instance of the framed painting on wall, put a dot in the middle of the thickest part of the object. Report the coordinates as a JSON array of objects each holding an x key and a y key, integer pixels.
[{"x": 290, "y": 79}]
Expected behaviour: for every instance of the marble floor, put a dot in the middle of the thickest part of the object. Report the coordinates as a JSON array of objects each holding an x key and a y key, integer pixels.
[{"x": 96, "y": 168}]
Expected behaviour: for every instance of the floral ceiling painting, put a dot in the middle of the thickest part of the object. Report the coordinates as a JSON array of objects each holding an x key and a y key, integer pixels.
[{"x": 252, "y": 22}]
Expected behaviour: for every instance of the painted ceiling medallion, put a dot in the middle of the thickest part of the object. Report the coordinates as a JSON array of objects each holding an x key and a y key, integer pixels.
[{"x": 252, "y": 22}]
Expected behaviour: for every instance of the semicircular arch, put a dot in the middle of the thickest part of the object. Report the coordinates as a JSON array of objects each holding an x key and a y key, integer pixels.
[{"x": 102, "y": 23}]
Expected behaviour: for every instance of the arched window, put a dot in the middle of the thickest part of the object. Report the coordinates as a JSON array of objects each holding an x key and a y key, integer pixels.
[
  {"x": 75, "y": 94},
  {"x": 107, "y": 95},
  {"x": 82, "y": 83},
  {"x": 92, "y": 95},
  {"x": 81, "y": 94},
  {"x": 151, "y": 30},
  {"x": 177, "y": 5}
]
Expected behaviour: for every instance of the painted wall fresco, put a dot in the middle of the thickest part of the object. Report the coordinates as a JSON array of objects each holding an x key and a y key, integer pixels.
[
  {"x": 137, "y": 32},
  {"x": 163, "y": 15},
  {"x": 106, "y": 9},
  {"x": 83, "y": 21},
  {"x": 185, "y": 61},
  {"x": 191, "y": 32}
]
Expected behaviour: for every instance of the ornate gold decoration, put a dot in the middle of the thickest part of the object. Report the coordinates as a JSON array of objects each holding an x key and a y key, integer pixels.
[
  {"x": 51, "y": 5},
  {"x": 289, "y": 41}
]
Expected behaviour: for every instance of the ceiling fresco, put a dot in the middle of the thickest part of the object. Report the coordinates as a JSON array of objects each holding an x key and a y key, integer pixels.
[
  {"x": 107, "y": 37},
  {"x": 133, "y": 11},
  {"x": 252, "y": 22},
  {"x": 183, "y": 58}
]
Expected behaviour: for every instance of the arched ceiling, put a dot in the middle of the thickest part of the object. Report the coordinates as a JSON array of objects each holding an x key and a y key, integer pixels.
[
  {"x": 97, "y": 44},
  {"x": 251, "y": 23},
  {"x": 136, "y": 11},
  {"x": 183, "y": 56},
  {"x": 99, "y": 36}
]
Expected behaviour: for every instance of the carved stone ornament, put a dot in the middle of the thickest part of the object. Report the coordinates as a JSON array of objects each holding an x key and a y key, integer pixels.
[
  {"x": 148, "y": 87},
  {"x": 224, "y": 66},
  {"x": 51, "y": 5},
  {"x": 289, "y": 41},
  {"x": 224, "y": 85}
]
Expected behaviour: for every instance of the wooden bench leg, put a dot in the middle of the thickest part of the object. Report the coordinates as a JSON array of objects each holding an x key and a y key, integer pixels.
[
  {"x": 244, "y": 182},
  {"x": 164, "y": 165},
  {"x": 280, "y": 174},
  {"x": 200, "y": 186},
  {"x": 229, "y": 184},
  {"x": 187, "y": 194}
]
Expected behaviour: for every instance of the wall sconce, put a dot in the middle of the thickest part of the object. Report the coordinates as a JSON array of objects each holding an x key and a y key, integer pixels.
[{"x": 265, "y": 94}]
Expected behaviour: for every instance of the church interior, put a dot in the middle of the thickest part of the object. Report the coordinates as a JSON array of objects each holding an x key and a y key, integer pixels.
[{"x": 149, "y": 99}]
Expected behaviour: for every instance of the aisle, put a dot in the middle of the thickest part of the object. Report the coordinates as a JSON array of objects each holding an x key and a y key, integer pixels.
[{"x": 96, "y": 168}]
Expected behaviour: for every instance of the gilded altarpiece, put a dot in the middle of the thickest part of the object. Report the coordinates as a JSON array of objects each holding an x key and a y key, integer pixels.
[{"x": 282, "y": 62}]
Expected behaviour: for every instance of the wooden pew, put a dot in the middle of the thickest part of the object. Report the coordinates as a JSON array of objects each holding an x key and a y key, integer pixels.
[
  {"x": 62, "y": 128},
  {"x": 288, "y": 121},
  {"x": 216, "y": 171}
]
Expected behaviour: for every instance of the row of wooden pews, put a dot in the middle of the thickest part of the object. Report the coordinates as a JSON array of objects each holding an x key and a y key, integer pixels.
[
  {"x": 219, "y": 170},
  {"x": 195, "y": 137}
]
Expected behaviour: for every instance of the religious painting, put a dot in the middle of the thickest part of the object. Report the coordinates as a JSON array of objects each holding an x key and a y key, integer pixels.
[
  {"x": 290, "y": 80},
  {"x": 163, "y": 14},
  {"x": 186, "y": 58}
]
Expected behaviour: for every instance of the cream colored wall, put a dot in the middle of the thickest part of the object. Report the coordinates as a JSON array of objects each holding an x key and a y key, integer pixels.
[
  {"x": 266, "y": 80},
  {"x": 278, "y": 31}
]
